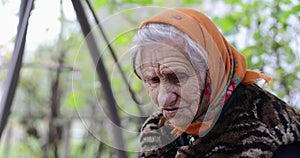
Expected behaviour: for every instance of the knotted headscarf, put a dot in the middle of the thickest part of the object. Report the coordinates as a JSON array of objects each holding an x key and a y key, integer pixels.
[{"x": 227, "y": 67}]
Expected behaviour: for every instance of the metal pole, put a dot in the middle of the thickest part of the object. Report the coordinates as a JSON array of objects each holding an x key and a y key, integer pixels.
[
  {"x": 102, "y": 75},
  {"x": 12, "y": 78},
  {"x": 115, "y": 58}
]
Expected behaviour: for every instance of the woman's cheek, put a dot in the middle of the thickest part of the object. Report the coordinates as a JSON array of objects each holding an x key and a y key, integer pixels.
[
  {"x": 153, "y": 93},
  {"x": 190, "y": 90}
]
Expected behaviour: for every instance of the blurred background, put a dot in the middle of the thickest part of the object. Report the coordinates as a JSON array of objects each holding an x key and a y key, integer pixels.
[{"x": 60, "y": 110}]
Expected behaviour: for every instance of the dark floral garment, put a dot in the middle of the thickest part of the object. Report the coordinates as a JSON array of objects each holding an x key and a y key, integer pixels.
[{"x": 253, "y": 123}]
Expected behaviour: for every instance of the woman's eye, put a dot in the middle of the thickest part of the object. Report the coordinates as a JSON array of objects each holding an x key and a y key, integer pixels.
[{"x": 154, "y": 80}]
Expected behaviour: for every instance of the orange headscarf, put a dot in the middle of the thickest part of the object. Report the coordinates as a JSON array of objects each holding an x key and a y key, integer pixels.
[{"x": 227, "y": 67}]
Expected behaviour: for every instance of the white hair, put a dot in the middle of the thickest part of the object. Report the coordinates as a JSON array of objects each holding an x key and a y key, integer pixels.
[{"x": 168, "y": 34}]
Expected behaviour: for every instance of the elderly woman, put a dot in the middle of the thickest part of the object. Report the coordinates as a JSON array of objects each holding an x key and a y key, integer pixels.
[{"x": 209, "y": 104}]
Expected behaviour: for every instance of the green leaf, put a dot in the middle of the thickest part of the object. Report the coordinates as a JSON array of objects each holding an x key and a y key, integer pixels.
[
  {"x": 296, "y": 9},
  {"x": 232, "y": 1},
  {"x": 191, "y": 1},
  {"x": 248, "y": 51},
  {"x": 75, "y": 99},
  {"x": 257, "y": 35},
  {"x": 100, "y": 3},
  {"x": 227, "y": 23}
]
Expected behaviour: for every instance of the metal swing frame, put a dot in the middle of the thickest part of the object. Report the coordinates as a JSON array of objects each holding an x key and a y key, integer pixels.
[{"x": 15, "y": 66}]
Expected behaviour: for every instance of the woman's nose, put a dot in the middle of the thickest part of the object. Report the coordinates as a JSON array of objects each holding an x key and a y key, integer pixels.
[{"x": 167, "y": 99}]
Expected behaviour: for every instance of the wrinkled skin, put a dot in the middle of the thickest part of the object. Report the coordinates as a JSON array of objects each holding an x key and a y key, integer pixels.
[{"x": 171, "y": 82}]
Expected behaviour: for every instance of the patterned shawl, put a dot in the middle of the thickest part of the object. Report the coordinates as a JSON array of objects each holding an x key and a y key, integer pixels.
[{"x": 227, "y": 67}]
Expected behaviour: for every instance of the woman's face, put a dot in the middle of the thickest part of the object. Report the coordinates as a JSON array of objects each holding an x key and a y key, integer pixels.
[{"x": 171, "y": 82}]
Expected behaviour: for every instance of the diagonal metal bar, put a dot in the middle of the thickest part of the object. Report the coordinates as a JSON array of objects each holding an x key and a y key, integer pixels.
[
  {"x": 102, "y": 75},
  {"x": 12, "y": 78},
  {"x": 114, "y": 57}
]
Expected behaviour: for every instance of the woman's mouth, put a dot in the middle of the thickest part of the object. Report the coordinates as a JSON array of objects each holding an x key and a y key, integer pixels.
[{"x": 170, "y": 112}]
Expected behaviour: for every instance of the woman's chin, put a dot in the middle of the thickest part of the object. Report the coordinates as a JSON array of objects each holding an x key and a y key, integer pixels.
[
  {"x": 180, "y": 121},
  {"x": 182, "y": 118}
]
